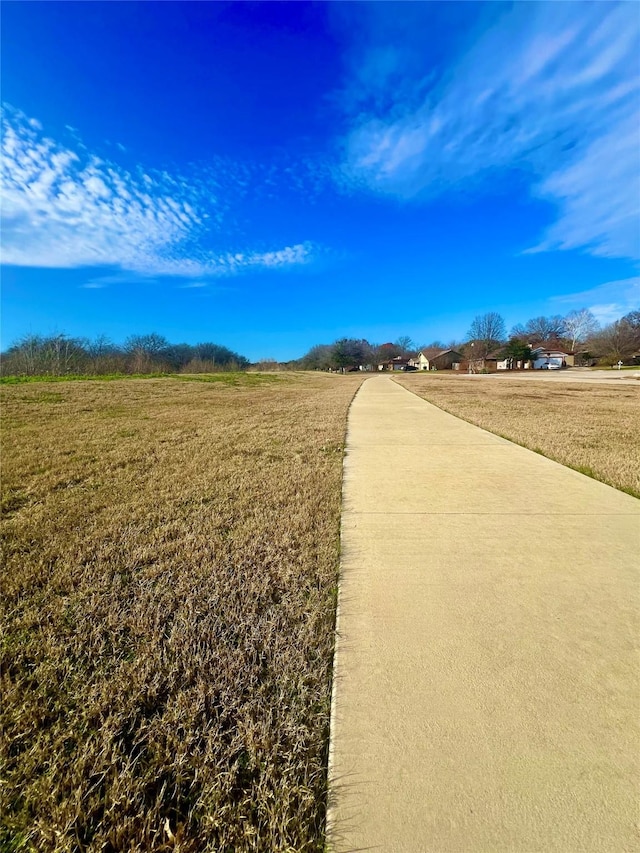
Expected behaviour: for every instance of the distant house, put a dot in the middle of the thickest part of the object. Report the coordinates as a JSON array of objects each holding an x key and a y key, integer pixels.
[
  {"x": 500, "y": 360},
  {"x": 543, "y": 357},
  {"x": 432, "y": 358},
  {"x": 496, "y": 360},
  {"x": 550, "y": 354},
  {"x": 492, "y": 362},
  {"x": 397, "y": 363}
]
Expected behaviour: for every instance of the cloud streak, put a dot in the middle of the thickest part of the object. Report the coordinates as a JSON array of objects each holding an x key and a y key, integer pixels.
[
  {"x": 551, "y": 89},
  {"x": 607, "y": 302},
  {"x": 66, "y": 209}
]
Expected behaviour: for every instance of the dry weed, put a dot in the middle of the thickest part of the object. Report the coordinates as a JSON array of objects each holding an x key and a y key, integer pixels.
[
  {"x": 170, "y": 564},
  {"x": 592, "y": 428}
]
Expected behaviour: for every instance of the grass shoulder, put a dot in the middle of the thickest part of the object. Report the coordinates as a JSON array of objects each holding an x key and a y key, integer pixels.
[
  {"x": 592, "y": 428},
  {"x": 170, "y": 555},
  {"x": 235, "y": 378}
]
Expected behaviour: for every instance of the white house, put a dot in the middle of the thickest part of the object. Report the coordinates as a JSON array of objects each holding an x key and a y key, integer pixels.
[{"x": 548, "y": 357}]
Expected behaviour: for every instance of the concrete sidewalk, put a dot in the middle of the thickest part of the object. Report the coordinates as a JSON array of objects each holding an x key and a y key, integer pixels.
[{"x": 486, "y": 686}]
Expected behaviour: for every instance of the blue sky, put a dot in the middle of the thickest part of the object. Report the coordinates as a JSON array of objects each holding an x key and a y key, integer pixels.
[{"x": 274, "y": 175}]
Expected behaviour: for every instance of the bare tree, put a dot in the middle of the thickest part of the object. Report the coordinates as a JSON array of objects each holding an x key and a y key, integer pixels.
[
  {"x": 541, "y": 329},
  {"x": 151, "y": 344},
  {"x": 405, "y": 344},
  {"x": 59, "y": 354},
  {"x": 487, "y": 331},
  {"x": 54, "y": 355},
  {"x": 632, "y": 320},
  {"x": 318, "y": 358},
  {"x": 145, "y": 352},
  {"x": 580, "y": 325},
  {"x": 67, "y": 354},
  {"x": 487, "y": 327},
  {"x": 615, "y": 342},
  {"x": 519, "y": 332},
  {"x": 24, "y": 357}
]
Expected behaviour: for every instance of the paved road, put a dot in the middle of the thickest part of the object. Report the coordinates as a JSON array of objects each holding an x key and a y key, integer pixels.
[
  {"x": 575, "y": 374},
  {"x": 486, "y": 695}
]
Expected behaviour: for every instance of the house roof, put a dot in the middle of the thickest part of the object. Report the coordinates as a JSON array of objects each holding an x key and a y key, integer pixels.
[
  {"x": 398, "y": 359},
  {"x": 434, "y": 352},
  {"x": 551, "y": 346},
  {"x": 549, "y": 350},
  {"x": 429, "y": 352}
]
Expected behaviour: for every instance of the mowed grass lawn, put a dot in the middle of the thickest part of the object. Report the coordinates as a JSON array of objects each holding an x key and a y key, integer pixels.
[
  {"x": 594, "y": 428},
  {"x": 170, "y": 559}
]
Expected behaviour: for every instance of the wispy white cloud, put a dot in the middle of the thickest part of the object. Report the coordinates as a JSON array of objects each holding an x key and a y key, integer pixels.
[
  {"x": 607, "y": 302},
  {"x": 297, "y": 254},
  {"x": 101, "y": 281},
  {"x": 64, "y": 208},
  {"x": 552, "y": 89},
  {"x": 599, "y": 196}
]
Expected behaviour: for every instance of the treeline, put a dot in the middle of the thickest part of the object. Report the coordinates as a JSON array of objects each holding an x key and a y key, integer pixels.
[
  {"x": 351, "y": 352},
  {"x": 58, "y": 355},
  {"x": 577, "y": 332}
]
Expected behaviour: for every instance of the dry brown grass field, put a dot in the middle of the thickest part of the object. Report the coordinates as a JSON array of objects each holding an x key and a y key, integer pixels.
[
  {"x": 594, "y": 428},
  {"x": 170, "y": 556}
]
